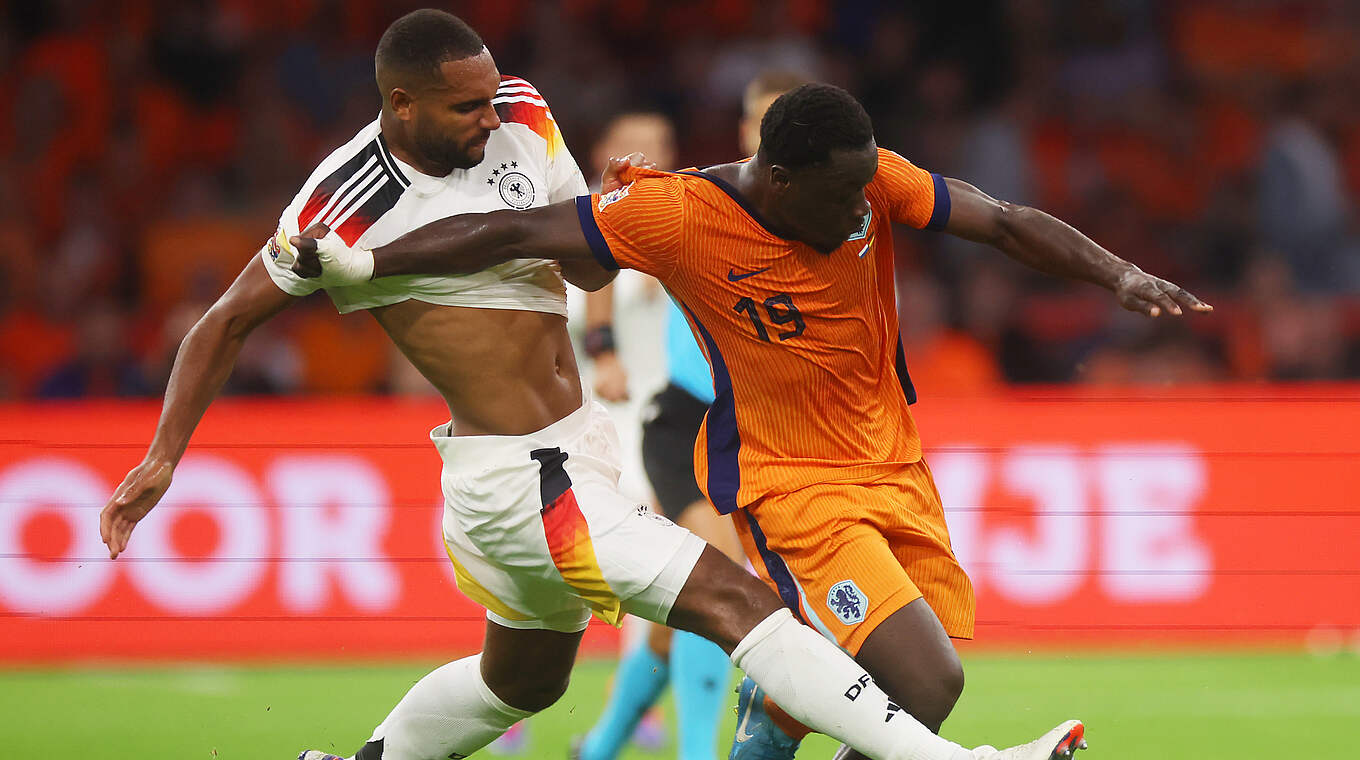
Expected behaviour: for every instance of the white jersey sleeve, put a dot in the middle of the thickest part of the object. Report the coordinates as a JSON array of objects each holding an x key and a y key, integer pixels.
[
  {"x": 355, "y": 185},
  {"x": 564, "y": 175},
  {"x": 517, "y": 101},
  {"x": 277, "y": 256}
]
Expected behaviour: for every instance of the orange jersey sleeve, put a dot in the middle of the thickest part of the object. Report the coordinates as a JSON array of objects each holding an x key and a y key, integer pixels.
[
  {"x": 910, "y": 194},
  {"x": 638, "y": 226}
]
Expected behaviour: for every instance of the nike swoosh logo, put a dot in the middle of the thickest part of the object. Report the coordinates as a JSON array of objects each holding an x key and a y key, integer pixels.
[
  {"x": 732, "y": 275},
  {"x": 742, "y": 733}
]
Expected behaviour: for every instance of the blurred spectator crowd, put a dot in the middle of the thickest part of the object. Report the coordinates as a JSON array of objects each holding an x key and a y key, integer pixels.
[{"x": 148, "y": 146}]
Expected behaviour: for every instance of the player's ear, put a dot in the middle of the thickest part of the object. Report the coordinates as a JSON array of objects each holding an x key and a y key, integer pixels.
[
  {"x": 401, "y": 102},
  {"x": 780, "y": 179}
]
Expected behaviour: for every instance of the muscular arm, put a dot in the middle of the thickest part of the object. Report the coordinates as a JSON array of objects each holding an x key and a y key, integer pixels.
[
  {"x": 472, "y": 242},
  {"x": 204, "y": 361},
  {"x": 459, "y": 245},
  {"x": 587, "y": 274},
  {"x": 208, "y": 353},
  {"x": 1049, "y": 245}
]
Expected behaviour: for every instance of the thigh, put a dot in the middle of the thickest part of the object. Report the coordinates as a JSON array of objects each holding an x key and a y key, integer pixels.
[
  {"x": 913, "y": 660},
  {"x": 543, "y": 537},
  {"x": 494, "y": 532},
  {"x": 827, "y": 559}
]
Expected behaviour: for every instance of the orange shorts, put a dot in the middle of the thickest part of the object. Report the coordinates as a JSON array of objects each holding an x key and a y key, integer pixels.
[{"x": 845, "y": 556}]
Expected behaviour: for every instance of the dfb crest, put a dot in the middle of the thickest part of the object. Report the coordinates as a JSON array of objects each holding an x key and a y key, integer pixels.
[
  {"x": 516, "y": 190},
  {"x": 848, "y": 602}
]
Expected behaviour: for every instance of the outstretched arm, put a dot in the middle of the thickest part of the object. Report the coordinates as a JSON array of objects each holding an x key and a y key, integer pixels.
[
  {"x": 469, "y": 243},
  {"x": 1047, "y": 244},
  {"x": 452, "y": 245},
  {"x": 202, "y": 365}
]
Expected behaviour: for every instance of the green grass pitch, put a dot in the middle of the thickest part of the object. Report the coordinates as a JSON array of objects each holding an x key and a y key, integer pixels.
[{"x": 1144, "y": 706}]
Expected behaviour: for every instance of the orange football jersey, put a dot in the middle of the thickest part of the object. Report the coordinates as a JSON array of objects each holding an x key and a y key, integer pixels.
[{"x": 810, "y": 382}]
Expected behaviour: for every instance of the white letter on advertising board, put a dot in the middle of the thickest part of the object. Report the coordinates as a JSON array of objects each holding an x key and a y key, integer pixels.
[
  {"x": 207, "y": 585},
  {"x": 336, "y": 510},
  {"x": 1151, "y": 551},
  {"x": 73, "y": 492},
  {"x": 962, "y": 477},
  {"x": 1048, "y": 562}
]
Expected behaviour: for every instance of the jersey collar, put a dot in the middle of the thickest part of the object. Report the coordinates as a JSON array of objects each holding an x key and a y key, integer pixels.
[
  {"x": 421, "y": 184},
  {"x": 736, "y": 196}
]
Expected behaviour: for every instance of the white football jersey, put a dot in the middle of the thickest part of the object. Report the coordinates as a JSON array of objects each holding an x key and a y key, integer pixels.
[{"x": 369, "y": 197}]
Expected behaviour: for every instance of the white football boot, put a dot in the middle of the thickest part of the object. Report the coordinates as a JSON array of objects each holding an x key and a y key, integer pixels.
[{"x": 1059, "y": 744}]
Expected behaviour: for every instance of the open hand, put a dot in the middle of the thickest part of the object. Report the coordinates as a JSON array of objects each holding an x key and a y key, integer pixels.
[
  {"x": 611, "y": 181},
  {"x": 1141, "y": 292},
  {"x": 140, "y": 491}
]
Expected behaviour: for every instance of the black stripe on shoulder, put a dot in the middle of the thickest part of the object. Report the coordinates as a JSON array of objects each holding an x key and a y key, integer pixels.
[
  {"x": 377, "y": 204},
  {"x": 325, "y": 189},
  {"x": 390, "y": 163}
]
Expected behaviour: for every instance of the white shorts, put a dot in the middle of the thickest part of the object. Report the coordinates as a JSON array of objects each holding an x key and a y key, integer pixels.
[{"x": 540, "y": 535}]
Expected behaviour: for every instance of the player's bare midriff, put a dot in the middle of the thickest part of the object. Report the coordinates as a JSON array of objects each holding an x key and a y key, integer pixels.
[{"x": 502, "y": 372}]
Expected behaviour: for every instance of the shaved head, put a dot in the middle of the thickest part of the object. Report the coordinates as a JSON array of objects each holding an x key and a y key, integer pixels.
[
  {"x": 437, "y": 81},
  {"x": 414, "y": 47}
]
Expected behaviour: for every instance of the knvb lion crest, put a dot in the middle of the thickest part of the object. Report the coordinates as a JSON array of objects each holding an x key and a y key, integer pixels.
[{"x": 847, "y": 602}]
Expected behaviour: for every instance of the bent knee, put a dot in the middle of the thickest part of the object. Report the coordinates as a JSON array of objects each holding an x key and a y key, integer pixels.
[
  {"x": 531, "y": 695},
  {"x": 732, "y": 612},
  {"x": 951, "y": 681},
  {"x": 721, "y": 601},
  {"x": 546, "y": 696}
]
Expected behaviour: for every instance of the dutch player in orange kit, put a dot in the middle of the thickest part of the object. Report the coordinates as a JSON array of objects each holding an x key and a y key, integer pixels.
[
  {"x": 836, "y": 509},
  {"x": 813, "y": 331},
  {"x": 783, "y": 265}
]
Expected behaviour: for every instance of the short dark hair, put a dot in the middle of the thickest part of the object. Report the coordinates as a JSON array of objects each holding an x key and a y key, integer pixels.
[
  {"x": 417, "y": 43},
  {"x": 805, "y": 124}
]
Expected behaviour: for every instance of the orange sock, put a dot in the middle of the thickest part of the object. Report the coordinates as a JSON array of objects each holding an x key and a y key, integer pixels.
[{"x": 787, "y": 723}]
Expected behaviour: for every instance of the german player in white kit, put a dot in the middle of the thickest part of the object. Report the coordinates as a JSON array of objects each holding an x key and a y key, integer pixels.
[{"x": 533, "y": 520}]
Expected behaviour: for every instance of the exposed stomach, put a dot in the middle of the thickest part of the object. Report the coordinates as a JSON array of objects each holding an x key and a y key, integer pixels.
[{"x": 502, "y": 372}]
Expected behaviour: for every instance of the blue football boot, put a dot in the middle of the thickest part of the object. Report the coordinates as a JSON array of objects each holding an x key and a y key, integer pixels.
[{"x": 758, "y": 738}]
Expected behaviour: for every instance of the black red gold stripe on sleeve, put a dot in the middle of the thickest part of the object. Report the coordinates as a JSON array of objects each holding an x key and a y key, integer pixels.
[{"x": 353, "y": 197}]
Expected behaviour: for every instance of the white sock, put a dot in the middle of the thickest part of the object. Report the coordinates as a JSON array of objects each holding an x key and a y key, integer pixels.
[
  {"x": 451, "y": 712},
  {"x": 819, "y": 685}
]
